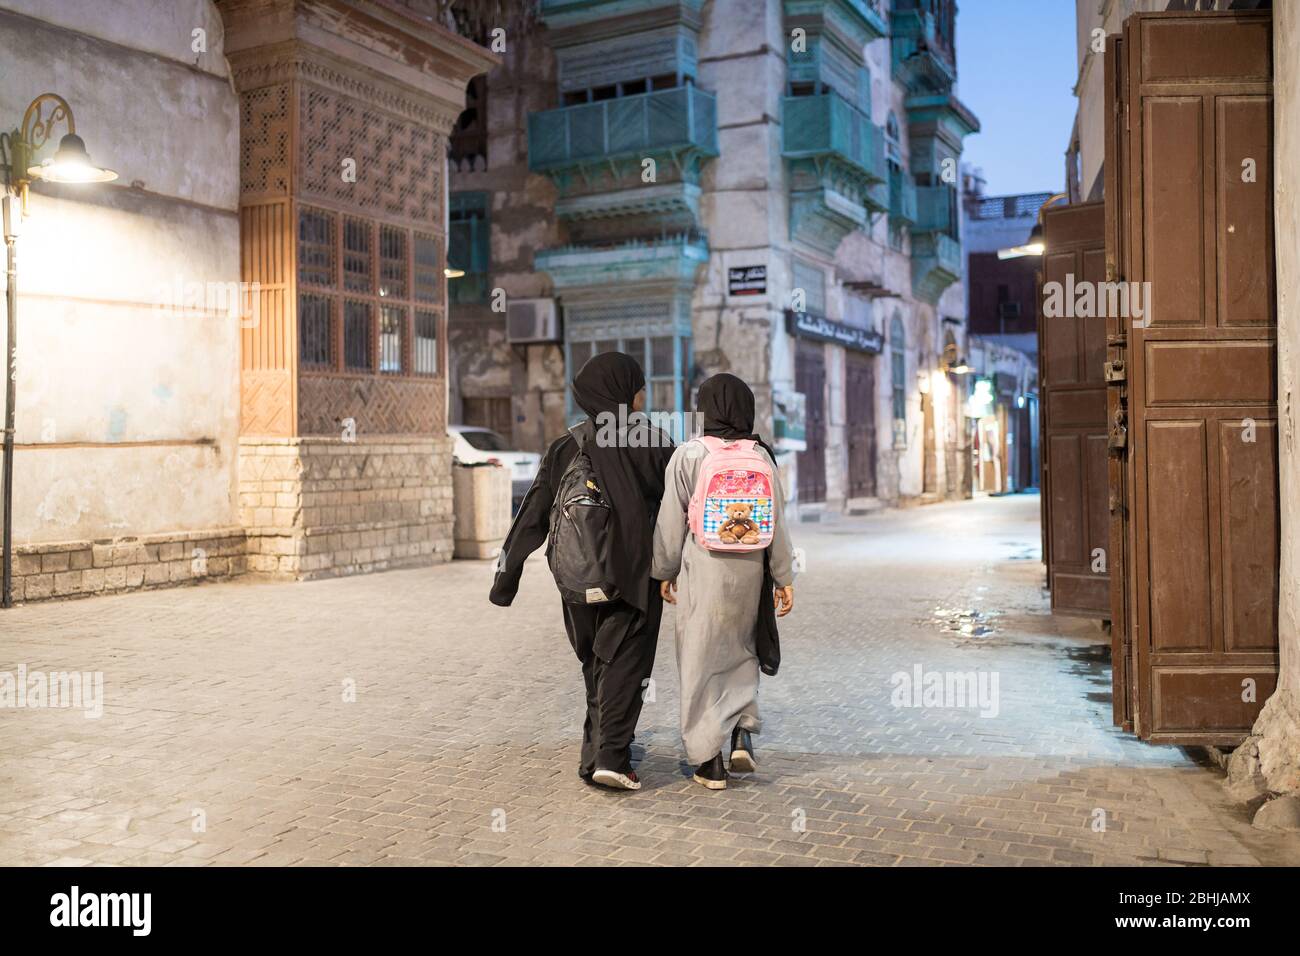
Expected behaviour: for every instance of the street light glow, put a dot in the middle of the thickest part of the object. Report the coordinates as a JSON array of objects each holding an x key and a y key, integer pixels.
[{"x": 71, "y": 164}]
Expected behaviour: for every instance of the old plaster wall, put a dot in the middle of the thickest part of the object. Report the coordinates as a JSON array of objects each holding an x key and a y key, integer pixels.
[{"x": 127, "y": 409}]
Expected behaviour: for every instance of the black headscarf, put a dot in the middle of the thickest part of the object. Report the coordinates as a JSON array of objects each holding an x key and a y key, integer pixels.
[
  {"x": 630, "y": 477},
  {"x": 727, "y": 405}
]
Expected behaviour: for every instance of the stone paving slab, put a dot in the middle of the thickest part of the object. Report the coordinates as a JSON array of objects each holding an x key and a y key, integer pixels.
[{"x": 400, "y": 719}]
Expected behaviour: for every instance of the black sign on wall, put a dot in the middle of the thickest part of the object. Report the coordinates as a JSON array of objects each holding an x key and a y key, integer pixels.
[
  {"x": 747, "y": 280},
  {"x": 809, "y": 325}
]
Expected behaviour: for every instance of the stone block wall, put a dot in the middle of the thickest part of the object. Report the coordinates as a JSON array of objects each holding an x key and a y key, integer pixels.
[
  {"x": 318, "y": 507},
  {"x": 82, "y": 568}
]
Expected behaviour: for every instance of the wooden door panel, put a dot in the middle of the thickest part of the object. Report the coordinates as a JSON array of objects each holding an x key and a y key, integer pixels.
[
  {"x": 1178, "y": 536},
  {"x": 1250, "y": 533},
  {"x": 1173, "y": 210},
  {"x": 1066, "y": 498},
  {"x": 1201, "y": 372},
  {"x": 1198, "y": 49},
  {"x": 1060, "y": 332},
  {"x": 1199, "y": 701},
  {"x": 1245, "y": 213},
  {"x": 1072, "y": 359},
  {"x": 1199, "y": 509}
]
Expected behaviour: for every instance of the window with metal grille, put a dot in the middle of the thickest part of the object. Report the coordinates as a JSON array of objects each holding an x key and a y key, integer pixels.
[
  {"x": 666, "y": 361},
  {"x": 356, "y": 335},
  {"x": 358, "y": 265},
  {"x": 372, "y": 296},
  {"x": 392, "y": 326},
  {"x": 316, "y": 248},
  {"x": 392, "y": 263},
  {"x": 425, "y": 351},
  {"x": 315, "y": 331}
]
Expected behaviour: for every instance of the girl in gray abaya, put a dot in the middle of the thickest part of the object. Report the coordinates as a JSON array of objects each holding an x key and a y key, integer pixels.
[{"x": 718, "y": 597}]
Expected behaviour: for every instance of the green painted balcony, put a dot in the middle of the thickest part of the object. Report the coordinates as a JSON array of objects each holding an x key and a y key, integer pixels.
[
  {"x": 936, "y": 210},
  {"x": 829, "y": 126},
  {"x": 838, "y": 177},
  {"x": 902, "y": 196},
  {"x": 923, "y": 57},
  {"x": 861, "y": 21},
  {"x": 680, "y": 124}
]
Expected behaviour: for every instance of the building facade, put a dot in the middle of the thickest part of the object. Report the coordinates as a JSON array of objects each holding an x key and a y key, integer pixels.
[
  {"x": 765, "y": 188},
  {"x": 233, "y": 358}
]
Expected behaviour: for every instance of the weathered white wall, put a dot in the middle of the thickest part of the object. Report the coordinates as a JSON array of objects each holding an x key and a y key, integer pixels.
[
  {"x": 127, "y": 414},
  {"x": 1280, "y": 723}
]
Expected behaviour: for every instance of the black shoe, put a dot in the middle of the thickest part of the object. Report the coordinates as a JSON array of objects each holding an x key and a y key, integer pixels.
[
  {"x": 585, "y": 776},
  {"x": 712, "y": 774},
  {"x": 742, "y": 752}
]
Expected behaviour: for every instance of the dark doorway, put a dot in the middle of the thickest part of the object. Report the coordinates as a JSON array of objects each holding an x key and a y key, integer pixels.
[
  {"x": 810, "y": 378},
  {"x": 860, "y": 400}
]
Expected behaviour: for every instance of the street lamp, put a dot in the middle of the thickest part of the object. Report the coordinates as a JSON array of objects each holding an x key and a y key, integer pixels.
[{"x": 69, "y": 164}]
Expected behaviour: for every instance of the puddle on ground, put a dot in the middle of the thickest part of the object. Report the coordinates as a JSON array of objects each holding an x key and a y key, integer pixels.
[{"x": 965, "y": 622}]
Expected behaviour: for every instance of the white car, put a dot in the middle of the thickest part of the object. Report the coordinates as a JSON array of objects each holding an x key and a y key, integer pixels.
[{"x": 472, "y": 444}]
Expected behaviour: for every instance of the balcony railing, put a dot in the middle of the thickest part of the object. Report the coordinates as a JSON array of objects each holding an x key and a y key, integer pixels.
[
  {"x": 828, "y": 124},
  {"x": 902, "y": 196},
  {"x": 681, "y": 118}
]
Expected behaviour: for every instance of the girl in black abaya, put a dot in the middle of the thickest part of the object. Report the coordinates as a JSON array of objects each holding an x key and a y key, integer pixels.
[{"x": 616, "y": 641}]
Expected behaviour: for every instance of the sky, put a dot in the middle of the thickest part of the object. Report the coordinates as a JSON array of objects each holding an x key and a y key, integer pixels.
[{"x": 1016, "y": 66}]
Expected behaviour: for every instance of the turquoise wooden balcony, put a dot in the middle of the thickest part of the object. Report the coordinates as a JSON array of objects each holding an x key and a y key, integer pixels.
[
  {"x": 680, "y": 123},
  {"x": 902, "y": 196},
  {"x": 838, "y": 177},
  {"x": 829, "y": 126},
  {"x": 936, "y": 210},
  {"x": 923, "y": 58}
]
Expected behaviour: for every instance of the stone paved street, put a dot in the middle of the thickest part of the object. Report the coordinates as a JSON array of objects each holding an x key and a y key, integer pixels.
[{"x": 225, "y": 706}]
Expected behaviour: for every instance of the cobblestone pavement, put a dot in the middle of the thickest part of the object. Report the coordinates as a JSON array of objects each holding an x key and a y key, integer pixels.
[{"x": 226, "y": 737}]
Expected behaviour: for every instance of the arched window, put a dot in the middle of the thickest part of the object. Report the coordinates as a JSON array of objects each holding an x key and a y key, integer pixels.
[{"x": 898, "y": 374}]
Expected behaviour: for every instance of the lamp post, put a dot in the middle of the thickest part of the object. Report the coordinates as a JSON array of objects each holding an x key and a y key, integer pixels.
[{"x": 69, "y": 164}]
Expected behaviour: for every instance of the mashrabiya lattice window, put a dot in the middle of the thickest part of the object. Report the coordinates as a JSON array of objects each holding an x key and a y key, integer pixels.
[{"x": 369, "y": 296}]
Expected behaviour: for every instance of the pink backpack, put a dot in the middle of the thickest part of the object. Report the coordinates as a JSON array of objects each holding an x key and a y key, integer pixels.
[{"x": 732, "y": 506}]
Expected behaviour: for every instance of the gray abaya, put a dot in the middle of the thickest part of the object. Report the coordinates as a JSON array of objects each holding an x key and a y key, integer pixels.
[{"x": 717, "y": 611}]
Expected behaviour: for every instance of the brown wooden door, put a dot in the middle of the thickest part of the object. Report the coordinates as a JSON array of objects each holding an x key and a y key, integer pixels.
[
  {"x": 860, "y": 402},
  {"x": 1074, "y": 397},
  {"x": 1202, "y": 421},
  {"x": 810, "y": 378}
]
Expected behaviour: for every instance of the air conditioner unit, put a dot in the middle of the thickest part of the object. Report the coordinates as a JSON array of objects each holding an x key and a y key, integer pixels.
[{"x": 532, "y": 320}]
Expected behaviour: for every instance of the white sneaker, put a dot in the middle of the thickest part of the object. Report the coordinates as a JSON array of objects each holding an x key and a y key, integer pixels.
[{"x": 615, "y": 780}]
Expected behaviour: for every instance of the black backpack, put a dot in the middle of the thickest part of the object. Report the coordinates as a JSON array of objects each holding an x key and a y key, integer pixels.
[{"x": 579, "y": 540}]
